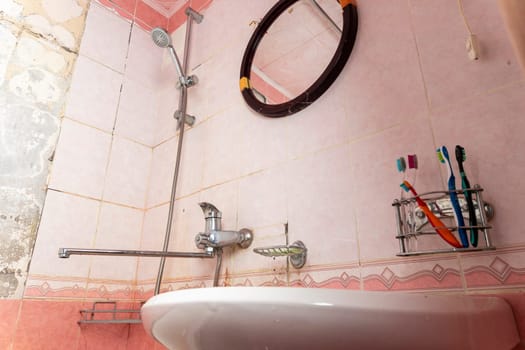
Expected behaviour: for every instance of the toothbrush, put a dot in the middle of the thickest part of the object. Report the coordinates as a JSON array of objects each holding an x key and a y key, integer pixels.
[
  {"x": 461, "y": 157},
  {"x": 441, "y": 229},
  {"x": 444, "y": 158}
]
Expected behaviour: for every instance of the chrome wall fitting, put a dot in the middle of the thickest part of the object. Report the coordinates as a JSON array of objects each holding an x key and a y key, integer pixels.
[
  {"x": 213, "y": 235},
  {"x": 189, "y": 119},
  {"x": 296, "y": 251}
]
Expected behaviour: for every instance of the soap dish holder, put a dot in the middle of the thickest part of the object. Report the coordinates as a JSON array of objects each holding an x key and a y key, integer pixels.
[{"x": 296, "y": 251}]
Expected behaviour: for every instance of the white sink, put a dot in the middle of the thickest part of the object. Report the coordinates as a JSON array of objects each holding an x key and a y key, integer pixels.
[{"x": 268, "y": 318}]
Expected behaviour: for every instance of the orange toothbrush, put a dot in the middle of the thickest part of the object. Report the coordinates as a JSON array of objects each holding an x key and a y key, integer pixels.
[{"x": 434, "y": 221}]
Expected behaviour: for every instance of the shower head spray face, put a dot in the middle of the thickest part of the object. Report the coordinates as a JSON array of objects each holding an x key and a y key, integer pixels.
[{"x": 160, "y": 37}]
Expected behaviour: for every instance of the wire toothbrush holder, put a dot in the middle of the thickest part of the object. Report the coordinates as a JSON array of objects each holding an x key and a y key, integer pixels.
[{"x": 415, "y": 234}]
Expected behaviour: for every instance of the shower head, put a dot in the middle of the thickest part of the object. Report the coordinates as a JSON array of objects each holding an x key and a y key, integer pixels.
[{"x": 161, "y": 37}]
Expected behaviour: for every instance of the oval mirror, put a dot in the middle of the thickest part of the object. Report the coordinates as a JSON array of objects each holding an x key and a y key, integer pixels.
[{"x": 295, "y": 54}]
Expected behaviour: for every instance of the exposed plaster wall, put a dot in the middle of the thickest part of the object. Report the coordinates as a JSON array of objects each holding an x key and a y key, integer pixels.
[{"x": 39, "y": 41}]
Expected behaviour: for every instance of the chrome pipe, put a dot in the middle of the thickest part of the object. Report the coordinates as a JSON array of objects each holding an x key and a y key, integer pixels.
[
  {"x": 67, "y": 252},
  {"x": 183, "y": 98},
  {"x": 217, "y": 268}
]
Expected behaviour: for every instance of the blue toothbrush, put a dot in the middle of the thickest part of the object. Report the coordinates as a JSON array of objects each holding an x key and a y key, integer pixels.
[{"x": 444, "y": 158}]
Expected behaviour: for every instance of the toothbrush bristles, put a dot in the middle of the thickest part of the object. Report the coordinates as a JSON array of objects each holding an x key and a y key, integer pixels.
[{"x": 440, "y": 155}]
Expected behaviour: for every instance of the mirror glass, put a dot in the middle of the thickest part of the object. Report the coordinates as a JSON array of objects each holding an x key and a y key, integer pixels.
[{"x": 295, "y": 50}]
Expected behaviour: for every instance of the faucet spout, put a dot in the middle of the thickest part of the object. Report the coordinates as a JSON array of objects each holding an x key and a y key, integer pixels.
[{"x": 213, "y": 217}]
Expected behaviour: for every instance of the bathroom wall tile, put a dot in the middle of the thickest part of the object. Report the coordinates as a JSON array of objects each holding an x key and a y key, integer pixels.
[
  {"x": 306, "y": 132},
  {"x": 262, "y": 199},
  {"x": 144, "y": 59},
  {"x": 113, "y": 49},
  {"x": 147, "y": 17},
  {"x": 259, "y": 150},
  {"x": 80, "y": 160},
  {"x": 161, "y": 177},
  {"x": 191, "y": 171},
  {"x": 321, "y": 206},
  {"x": 67, "y": 221},
  {"x": 58, "y": 288},
  {"x": 140, "y": 340},
  {"x": 99, "y": 289},
  {"x": 153, "y": 232},
  {"x": 221, "y": 152},
  {"x": 381, "y": 84},
  {"x": 9, "y": 310},
  {"x": 423, "y": 274},
  {"x": 94, "y": 94},
  {"x": 496, "y": 269},
  {"x": 101, "y": 336},
  {"x": 491, "y": 128},
  {"x": 441, "y": 35},
  {"x": 168, "y": 103},
  {"x": 118, "y": 228},
  {"x": 376, "y": 182},
  {"x": 44, "y": 324},
  {"x": 137, "y": 113},
  {"x": 211, "y": 36},
  {"x": 348, "y": 277},
  {"x": 128, "y": 173}
]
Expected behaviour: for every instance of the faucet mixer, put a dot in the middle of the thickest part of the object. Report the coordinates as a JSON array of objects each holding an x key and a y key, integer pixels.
[{"x": 213, "y": 235}]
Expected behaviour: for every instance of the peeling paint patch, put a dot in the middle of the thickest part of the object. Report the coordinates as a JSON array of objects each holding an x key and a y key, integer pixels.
[
  {"x": 7, "y": 45},
  {"x": 19, "y": 215},
  {"x": 32, "y": 53},
  {"x": 27, "y": 139},
  {"x": 36, "y": 86},
  {"x": 41, "y": 25},
  {"x": 10, "y": 8},
  {"x": 62, "y": 10}
]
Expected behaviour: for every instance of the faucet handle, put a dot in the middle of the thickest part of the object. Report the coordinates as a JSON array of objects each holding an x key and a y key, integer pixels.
[{"x": 202, "y": 240}]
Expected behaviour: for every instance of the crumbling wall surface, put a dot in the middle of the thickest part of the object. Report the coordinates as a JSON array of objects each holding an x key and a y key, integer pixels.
[{"x": 39, "y": 41}]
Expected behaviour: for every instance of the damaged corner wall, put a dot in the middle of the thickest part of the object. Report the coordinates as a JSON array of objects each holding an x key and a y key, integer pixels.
[{"x": 39, "y": 41}]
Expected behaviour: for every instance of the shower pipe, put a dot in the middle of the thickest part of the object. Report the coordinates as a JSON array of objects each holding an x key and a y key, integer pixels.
[{"x": 183, "y": 99}]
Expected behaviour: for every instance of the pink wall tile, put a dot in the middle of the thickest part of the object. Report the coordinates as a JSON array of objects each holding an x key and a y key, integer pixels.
[
  {"x": 118, "y": 228},
  {"x": 147, "y": 17},
  {"x": 381, "y": 85},
  {"x": 342, "y": 278},
  {"x": 194, "y": 148},
  {"x": 115, "y": 30},
  {"x": 101, "y": 337},
  {"x": 494, "y": 269},
  {"x": 262, "y": 199},
  {"x": 128, "y": 173},
  {"x": 144, "y": 60},
  {"x": 137, "y": 112},
  {"x": 430, "y": 274},
  {"x": 490, "y": 127},
  {"x": 140, "y": 340},
  {"x": 154, "y": 229},
  {"x": 321, "y": 206},
  {"x": 221, "y": 153},
  {"x": 80, "y": 161},
  {"x": 161, "y": 177},
  {"x": 94, "y": 94},
  {"x": 257, "y": 150},
  {"x": 47, "y": 324},
  {"x": 67, "y": 221},
  {"x": 441, "y": 35},
  {"x": 9, "y": 310}
]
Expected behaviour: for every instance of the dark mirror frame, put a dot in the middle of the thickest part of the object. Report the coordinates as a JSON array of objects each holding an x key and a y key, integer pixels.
[{"x": 332, "y": 71}]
